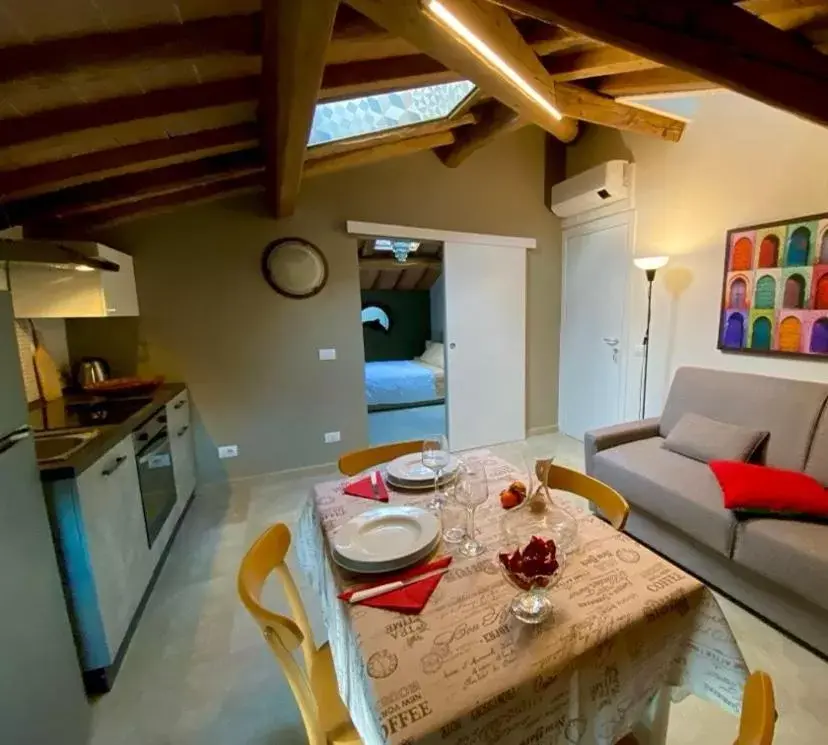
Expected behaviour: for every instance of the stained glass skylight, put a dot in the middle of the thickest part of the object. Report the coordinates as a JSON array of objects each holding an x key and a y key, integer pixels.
[{"x": 338, "y": 120}]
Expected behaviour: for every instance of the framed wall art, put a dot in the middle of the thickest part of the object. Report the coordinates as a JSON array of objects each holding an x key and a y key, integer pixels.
[{"x": 775, "y": 289}]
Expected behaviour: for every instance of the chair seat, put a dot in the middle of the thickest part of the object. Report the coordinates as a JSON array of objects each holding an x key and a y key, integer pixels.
[{"x": 336, "y": 721}]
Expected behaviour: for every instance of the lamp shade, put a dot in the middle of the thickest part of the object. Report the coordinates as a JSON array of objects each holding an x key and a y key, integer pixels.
[{"x": 651, "y": 262}]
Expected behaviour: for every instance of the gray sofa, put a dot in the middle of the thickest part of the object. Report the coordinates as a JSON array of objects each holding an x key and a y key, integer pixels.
[{"x": 777, "y": 568}]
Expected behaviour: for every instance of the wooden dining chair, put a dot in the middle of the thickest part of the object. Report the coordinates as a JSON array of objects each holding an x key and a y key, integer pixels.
[
  {"x": 758, "y": 721},
  {"x": 324, "y": 714},
  {"x": 357, "y": 461},
  {"x": 609, "y": 502}
]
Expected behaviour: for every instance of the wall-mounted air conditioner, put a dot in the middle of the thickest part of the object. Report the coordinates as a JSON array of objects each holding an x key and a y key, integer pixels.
[{"x": 597, "y": 187}]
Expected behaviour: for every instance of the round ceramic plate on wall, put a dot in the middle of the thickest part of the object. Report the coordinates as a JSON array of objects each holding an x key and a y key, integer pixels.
[{"x": 294, "y": 267}]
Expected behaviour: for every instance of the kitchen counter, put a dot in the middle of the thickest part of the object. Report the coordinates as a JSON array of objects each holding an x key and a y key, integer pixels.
[{"x": 109, "y": 435}]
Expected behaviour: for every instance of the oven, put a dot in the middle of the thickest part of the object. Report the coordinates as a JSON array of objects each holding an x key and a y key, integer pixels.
[{"x": 155, "y": 472}]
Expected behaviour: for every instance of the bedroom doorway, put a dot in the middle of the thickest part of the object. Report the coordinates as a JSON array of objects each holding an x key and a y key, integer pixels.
[{"x": 403, "y": 312}]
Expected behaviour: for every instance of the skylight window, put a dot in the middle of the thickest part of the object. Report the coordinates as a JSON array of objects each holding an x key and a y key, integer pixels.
[
  {"x": 339, "y": 120},
  {"x": 385, "y": 244}
]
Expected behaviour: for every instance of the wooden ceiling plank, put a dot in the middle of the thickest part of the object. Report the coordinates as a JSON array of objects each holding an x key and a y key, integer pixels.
[
  {"x": 593, "y": 63},
  {"x": 86, "y": 223},
  {"x": 650, "y": 82},
  {"x": 547, "y": 39},
  {"x": 428, "y": 278},
  {"x": 496, "y": 119},
  {"x": 101, "y": 164},
  {"x": 357, "y": 38},
  {"x": 397, "y": 134},
  {"x": 54, "y": 122},
  {"x": 239, "y": 34},
  {"x": 295, "y": 37},
  {"x": 129, "y": 188},
  {"x": 405, "y": 18},
  {"x": 377, "y": 153},
  {"x": 717, "y": 41},
  {"x": 388, "y": 262}
]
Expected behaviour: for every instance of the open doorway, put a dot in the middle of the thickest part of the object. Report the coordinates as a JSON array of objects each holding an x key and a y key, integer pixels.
[{"x": 403, "y": 311}]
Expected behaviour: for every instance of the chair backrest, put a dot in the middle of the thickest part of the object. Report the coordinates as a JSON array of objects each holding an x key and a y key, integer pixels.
[
  {"x": 357, "y": 461},
  {"x": 265, "y": 557},
  {"x": 609, "y": 501},
  {"x": 758, "y": 720}
]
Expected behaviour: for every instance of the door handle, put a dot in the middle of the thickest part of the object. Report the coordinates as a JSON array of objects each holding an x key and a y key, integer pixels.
[
  {"x": 611, "y": 341},
  {"x": 452, "y": 345}
]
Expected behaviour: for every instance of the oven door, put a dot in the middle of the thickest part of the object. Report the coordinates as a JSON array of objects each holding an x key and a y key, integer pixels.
[{"x": 155, "y": 471}]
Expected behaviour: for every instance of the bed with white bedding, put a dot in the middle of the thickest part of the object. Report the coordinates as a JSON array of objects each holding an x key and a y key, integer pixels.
[{"x": 399, "y": 383}]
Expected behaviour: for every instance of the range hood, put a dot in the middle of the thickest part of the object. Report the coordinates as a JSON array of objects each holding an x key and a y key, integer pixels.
[{"x": 71, "y": 254}]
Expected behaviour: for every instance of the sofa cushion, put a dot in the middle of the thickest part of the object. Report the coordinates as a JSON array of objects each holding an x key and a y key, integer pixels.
[
  {"x": 817, "y": 465},
  {"x": 788, "y": 409},
  {"x": 677, "y": 490},
  {"x": 790, "y": 553},
  {"x": 704, "y": 439}
]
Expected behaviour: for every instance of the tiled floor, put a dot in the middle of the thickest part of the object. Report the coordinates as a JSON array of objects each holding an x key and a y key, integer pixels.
[
  {"x": 406, "y": 424},
  {"x": 198, "y": 673}
]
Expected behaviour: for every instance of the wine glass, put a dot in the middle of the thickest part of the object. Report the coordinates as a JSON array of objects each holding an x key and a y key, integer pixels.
[
  {"x": 471, "y": 489},
  {"x": 436, "y": 457}
]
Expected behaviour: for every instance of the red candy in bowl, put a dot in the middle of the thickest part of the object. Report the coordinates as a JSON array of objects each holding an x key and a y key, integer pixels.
[{"x": 533, "y": 566}]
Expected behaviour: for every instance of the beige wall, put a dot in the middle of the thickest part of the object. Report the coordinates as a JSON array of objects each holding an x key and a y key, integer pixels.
[
  {"x": 250, "y": 356},
  {"x": 739, "y": 163}
]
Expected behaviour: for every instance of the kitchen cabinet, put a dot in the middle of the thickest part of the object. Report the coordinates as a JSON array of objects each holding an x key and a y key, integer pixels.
[
  {"x": 111, "y": 518},
  {"x": 183, "y": 447},
  {"x": 47, "y": 291}
]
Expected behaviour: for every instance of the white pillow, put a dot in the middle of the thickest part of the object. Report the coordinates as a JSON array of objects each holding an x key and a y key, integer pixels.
[{"x": 434, "y": 354}]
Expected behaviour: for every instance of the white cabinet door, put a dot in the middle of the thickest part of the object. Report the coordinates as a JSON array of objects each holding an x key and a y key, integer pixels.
[
  {"x": 182, "y": 446},
  {"x": 109, "y": 496},
  {"x": 485, "y": 338},
  {"x": 120, "y": 297}
]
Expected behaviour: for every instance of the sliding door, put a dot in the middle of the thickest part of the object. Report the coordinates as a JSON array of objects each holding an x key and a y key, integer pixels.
[{"x": 485, "y": 340}]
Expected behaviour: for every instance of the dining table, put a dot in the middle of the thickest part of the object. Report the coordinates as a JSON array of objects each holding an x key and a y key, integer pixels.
[{"x": 631, "y": 633}]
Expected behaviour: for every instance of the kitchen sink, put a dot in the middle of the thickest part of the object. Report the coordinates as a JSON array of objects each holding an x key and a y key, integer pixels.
[{"x": 51, "y": 448}]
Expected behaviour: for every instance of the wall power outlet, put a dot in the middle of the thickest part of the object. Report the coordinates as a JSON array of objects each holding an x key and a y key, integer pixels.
[
  {"x": 332, "y": 437},
  {"x": 228, "y": 451}
]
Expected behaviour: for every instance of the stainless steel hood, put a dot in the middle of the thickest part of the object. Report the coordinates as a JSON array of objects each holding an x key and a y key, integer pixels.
[{"x": 55, "y": 253}]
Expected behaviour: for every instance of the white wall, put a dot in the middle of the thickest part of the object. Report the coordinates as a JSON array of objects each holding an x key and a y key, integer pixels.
[
  {"x": 739, "y": 163},
  {"x": 437, "y": 297}
]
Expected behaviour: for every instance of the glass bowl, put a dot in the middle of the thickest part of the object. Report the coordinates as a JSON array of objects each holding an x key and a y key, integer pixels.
[{"x": 531, "y": 562}]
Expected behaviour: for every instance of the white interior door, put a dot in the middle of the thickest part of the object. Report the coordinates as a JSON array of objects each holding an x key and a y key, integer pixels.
[
  {"x": 597, "y": 261},
  {"x": 485, "y": 336}
]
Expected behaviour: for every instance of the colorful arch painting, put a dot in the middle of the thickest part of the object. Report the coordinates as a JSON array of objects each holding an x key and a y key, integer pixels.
[{"x": 774, "y": 297}]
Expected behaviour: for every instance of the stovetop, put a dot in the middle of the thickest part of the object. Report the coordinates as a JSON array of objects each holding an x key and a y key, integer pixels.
[{"x": 79, "y": 412}]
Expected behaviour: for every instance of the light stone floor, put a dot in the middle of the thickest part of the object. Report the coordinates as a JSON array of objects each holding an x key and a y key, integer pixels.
[{"x": 198, "y": 673}]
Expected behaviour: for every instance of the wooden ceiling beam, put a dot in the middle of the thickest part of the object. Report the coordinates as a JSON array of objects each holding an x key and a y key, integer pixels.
[
  {"x": 387, "y": 262},
  {"x": 89, "y": 223},
  {"x": 496, "y": 119},
  {"x": 54, "y": 122},
  {"x": 295, "y": 37},
  {"x": 651, "y": 82},
  {"x": 327, "y": 149},
  {"x": 716, "y": 41},
  {"x": 376, "y": 153},
  {"x": 94, "y": 166},
  {"x": 406, "y": 19},
  {"x": 546, "y": 39},
  {"x": 593, "y": 63},
  {"x": 130, "y": 188}
]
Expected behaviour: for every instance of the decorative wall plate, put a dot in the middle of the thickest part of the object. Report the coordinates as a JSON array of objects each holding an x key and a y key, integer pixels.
[{"x": 294, "y": 267}]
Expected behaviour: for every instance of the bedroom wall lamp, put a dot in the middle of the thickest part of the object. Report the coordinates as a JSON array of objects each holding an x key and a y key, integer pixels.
[{"x": 456, "y": 27}]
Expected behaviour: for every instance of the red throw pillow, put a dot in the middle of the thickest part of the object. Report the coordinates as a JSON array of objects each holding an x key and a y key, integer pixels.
[{"x": 751, "y": 488}]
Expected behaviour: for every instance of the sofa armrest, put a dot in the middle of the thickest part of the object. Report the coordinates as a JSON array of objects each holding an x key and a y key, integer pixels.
[{"x": 618, "y": 434}]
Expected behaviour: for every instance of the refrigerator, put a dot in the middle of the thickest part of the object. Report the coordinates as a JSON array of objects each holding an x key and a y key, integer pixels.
[{"x": 42, "y": 698}]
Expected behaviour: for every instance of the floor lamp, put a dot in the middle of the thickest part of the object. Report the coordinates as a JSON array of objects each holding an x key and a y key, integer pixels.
[{"x": 650, "y": 265}]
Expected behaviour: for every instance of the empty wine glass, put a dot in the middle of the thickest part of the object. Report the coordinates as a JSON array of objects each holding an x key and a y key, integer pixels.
[
  {"x": 436, "y": 457},
  {"x": 471, "y": 489}
]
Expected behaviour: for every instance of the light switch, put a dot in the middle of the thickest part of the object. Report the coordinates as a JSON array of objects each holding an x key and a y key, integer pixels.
[{"x": 327, "y": 354}]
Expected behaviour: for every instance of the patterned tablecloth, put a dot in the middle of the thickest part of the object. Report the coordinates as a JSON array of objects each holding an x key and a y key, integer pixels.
[{"x": 627, "y": 624}]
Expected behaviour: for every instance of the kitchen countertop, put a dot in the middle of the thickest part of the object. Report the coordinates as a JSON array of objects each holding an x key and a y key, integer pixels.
[{"x": 109, "y": 435}]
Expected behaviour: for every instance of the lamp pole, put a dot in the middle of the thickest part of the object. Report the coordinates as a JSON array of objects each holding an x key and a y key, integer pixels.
[{"x": 650, "y": 265}]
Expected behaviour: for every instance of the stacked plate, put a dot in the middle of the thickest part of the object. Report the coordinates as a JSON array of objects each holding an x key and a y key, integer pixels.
[
  {"x": 408, "y": 472},
  {"x": 386, "y": 539}
]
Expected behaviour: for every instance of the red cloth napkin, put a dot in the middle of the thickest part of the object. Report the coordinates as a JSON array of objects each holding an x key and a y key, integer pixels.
[
  {"x": 362, "y": 488},
  {"x": 410, "y": 599}
]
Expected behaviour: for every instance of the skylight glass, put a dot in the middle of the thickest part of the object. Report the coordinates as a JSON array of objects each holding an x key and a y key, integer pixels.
[{"x": 339, "y": 120}]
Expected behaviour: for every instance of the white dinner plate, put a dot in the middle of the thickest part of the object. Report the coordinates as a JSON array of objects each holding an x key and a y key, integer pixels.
[
  {"x": 385, "y": 567},
  {"x": 418, "y": 485},
  {"x": 384, "y": 535},
  {"x": 409, "y": 469}
]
